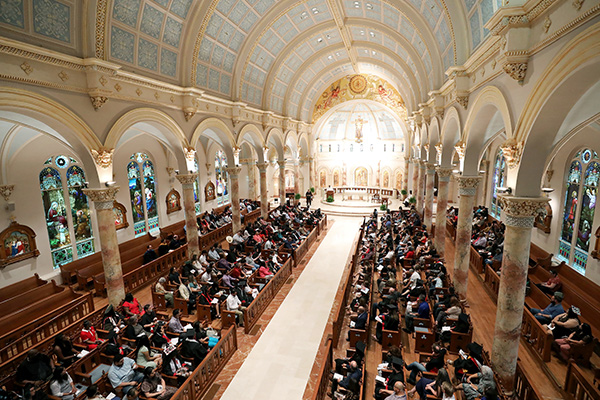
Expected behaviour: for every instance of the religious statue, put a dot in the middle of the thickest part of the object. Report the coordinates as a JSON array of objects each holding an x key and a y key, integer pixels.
[{"x": 359, "y": 122}]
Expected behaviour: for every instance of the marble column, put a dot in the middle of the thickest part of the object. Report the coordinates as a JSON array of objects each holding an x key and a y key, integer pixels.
[
  {"x": 311, "y": 172},
  {"x": 415, "y": 178},
  {"x": 189, "y": 208},
  {"x": 251, "y": 179},
  {"x": 467, "y": 189},
  {"x": 421, "y": 184},
  {"x": 111, "y": 258},
  {"x": 442, "y": 204},
  {"x": 518, "y": 215},
  {"x": 486, "y": 175},
  {"x": 281, "y": 181},
  {"x": 296, "y": 177},
  {"x": 236, "y": 219},
  {"x": 405, "y": 176},
  {"x": 430, "y": 178},
  {"x": 264, "y": 200}
]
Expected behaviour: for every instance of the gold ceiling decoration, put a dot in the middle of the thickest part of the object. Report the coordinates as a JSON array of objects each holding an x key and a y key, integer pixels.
[{"x": 355, "y": 87}]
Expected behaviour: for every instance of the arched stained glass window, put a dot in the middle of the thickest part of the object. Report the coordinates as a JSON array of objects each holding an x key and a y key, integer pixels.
[
  {"x": 221, "y": 177},
  {"x": 578, "y": 213},
  {"x": 80, "y": 212},
  {"x": 65, "y": 221},
  {"x": 142, "y": 193},
  {"x": 498, "y": 180}
]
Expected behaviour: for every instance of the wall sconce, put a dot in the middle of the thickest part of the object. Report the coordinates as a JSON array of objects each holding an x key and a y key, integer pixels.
[
  {"x": 110, "y": 183},
  {"x": 547, "y": 190},
  {"x": 503, "y": 189}
]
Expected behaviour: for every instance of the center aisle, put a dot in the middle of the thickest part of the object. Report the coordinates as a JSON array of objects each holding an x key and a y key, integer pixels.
[{"x": 279, "y": 365}]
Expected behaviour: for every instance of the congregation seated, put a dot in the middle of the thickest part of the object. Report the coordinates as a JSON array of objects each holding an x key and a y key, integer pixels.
[
  {"x": 36, "y": 368},
  {"x": 564, "y": 324},
  {"x": 131, "y": 306},
  {"x": 62, "y": 385},
  {"x": 88, "y": 336},
  {"x": 578, "y": 339},
  {"x": 153, "y": 385},
  {"x": 551, "y": 285},
  {"x": 123, "y": 374},
  {"x": 553, "y": 309}
]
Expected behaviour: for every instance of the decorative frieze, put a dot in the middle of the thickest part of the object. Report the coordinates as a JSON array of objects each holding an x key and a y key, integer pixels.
[
  {"x": 103, "y": 198},
  {"x": 6, "y": 191},
  {"x": 187, "y": 179},
  {"x": 516, "y": 71},
  {"x": 521, "y": 212},
  {"x": 467, "y": 185}
]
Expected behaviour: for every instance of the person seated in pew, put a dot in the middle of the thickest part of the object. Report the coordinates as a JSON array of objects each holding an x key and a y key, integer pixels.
[
  {"x": 193, "y": 347},
  {"x": 564, "y": 324},
  {"x": 453, "y": 310},
  {"x": 265, "y": 273},
  {"x": 131, "y": 306},
  {"x": 175, "y": 243},
  {"x": 234, "y": 304},
  {"x": 433, "y": 364},
  {"x": 426, "y": 386},
  {"x": 383, "y": 390},
  {"x": 484, "y": 384},
  {"x": 132, "y": 394},
  {"x": 189, "y": 296},
  {"x": 159, "y": 338},
  {"x": 342, "y": 364},
  {"x": 174, "y": 277},
  {"x": 92, "y": 393},
  {"x": 469, "y": 365},
  {"x": 448, "y": 391},
  {"x": 88, "y": 336},
  {"x": 551, "y": 285},
  {"x": 555, "y": 308},
  {"x": 63, "y": 350},
  {"x": 580, "y": 337},
  {"x": 134, "y": 329},
  {"x": 174, "y": 367},
  {"x": 145, "y": 356},
  {"x": 203, "y": 259},
  {"x": 187, "y": 269},
  {"x": 387, "y": 321},
  {"x": 213, "y": 254},
  {"x": 36, "y": 368},
  {"x": 354, "y": 373},
  {"x": 435, "y": 282},
  {"x": 160, "y": 288},
  {"x": 175, "y": 322},
  {"x": 123, "y": 374},
  {"x": 398, "y": 393},
  {"x": 163, "y": 247},
  {"x": 359, "y": 320},
  {"x": 421, "y": 312},
  {"x": 62, "y": 384},
  {"x": 150, "y": 255},
  {"x": 205, "y": 299},
  {"x": 112, "y": 319}
]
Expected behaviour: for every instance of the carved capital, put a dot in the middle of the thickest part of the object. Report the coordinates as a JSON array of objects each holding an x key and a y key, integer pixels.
[
  {"x": 236, "y": 151},
  {"x": 187, "y": 179},
  {"x": 512, "y": 150},
  {"x": 233, "y": 171},
  {"x": 6, "y": 191},
  {"x": 444, "y": 174},
  {"x": 438, "y": 151},
  {"x": 262, "y": 167},
  {"x": 521, "y": 212},
  {"x": 460, "y": 148},
  {"x": 467, "y": 185},
  {"x": 516, "y": 70},
  {"x": 103, "y": 198},
  {"x": 98, "y": 101},
  {"x": 430, "y": 168},
  {"x": 463, "y": 101},
  {"x": 190, "y": 153},
  {"x": 188, "y": 115},
  {"x": 426, "y": 148},
  {"x": 103, "y": 158},
  {"x": 281, "y": 164}
]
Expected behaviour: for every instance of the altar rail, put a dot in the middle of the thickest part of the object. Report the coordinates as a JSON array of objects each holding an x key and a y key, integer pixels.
[
  {"x": 33, "y": 333},
  {"x": 363, "y": 189},
  {"x": 204, "y": 375},
  {"x": 320, "y": 391},
  {"x": 577, "y": 387},
  {"x": 260, "y": 303}
]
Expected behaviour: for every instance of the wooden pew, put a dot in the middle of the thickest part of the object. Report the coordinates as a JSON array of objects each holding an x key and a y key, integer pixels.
[
  {"x": 21, "y": 287},
  {"x": 26, "y": 299}
]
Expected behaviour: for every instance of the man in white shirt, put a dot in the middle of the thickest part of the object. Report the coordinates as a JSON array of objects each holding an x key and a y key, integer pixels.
[{"x": 234, "y": 304}]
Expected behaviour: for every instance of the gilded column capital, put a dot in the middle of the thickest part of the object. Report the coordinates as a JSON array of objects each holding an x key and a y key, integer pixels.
[
  {"x": 422, "y": 164},
  {"x": 467, "y": 185},
  {"x": 521, "y": 212},
  {"x": 6, "y": 191},
  {"x": 430, "y": 168},
  {"x": 103, "y": 198},
  {"x": 281, "y": 164},
  {"x": 460, "y": 148},
  {"x": 190, "y": 153},
  {"x": 262, "y": 167},
  {"x": 233, "y": 171},
  {"x": 104, "y": 157},
  {"x": 444, "y": 173},
  {"x": 187, "y": 180},
  {"x": 512, "y": 150}
]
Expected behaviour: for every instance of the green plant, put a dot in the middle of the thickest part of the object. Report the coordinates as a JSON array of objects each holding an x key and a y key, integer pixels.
[
  {"x": 404, "y": 192},
  {"x": 330, "y": 199},
  {"x": 383, "y": 207},
  {"x": 312, "y": 189},
  {"x": 412, "y": 200},
  {"x": 298, "y": 196}
]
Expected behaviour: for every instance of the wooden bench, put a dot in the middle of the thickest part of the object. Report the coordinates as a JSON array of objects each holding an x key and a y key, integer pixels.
[
  {"x": 21, "y": 287},
  {"x": 26, "y": 299}
]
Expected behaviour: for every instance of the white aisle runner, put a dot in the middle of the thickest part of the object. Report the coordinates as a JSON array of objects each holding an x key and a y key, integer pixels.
[{"x": 279, "y": 365}]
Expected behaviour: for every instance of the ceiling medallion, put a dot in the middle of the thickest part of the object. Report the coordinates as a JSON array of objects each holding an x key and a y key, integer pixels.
[{"x": 358, "y": 84}]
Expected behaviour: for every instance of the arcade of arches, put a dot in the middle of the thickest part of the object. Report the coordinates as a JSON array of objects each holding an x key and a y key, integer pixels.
[{"x": 198, "y": 104}]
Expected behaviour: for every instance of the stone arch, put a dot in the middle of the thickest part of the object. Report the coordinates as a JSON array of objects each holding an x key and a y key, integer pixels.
[
  {"x": 252, "y": 135},
  {"x": 434, "y": 139},
  {"x": 217, "y": 130},
  {"x": 275, "y": 139},
  {"x": 450, "y": 135},
  {"x": 565, "y": 81},
  {"x": 488, "y": 116}
]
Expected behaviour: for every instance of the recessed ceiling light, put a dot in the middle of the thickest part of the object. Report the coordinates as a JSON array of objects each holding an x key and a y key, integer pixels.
[
  {"x": 319, "y": 40},
  {"x": 369, "y": 6},
  {"x": 374, "y": 52},
  {"x": 356, "y": 4},
  {"x": 372, "y": 34},
  {"x": 330, "y": 57},
  {"x": 303, "y": 15},
  {"x": 362, "y": 33},
  {"x": 314, "y": 10},
  {"x": 328, "y": 37}
]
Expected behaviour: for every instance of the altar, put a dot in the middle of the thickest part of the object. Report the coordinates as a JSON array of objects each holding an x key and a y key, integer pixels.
[{"x": 360, "y": 193}]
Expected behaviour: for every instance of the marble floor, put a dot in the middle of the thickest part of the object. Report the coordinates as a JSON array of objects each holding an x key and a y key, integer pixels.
[{"x": 279, "y": 365}]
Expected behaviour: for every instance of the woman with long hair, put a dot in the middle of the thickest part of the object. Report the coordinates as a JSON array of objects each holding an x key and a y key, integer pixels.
[{"x": 145, "y": 357}]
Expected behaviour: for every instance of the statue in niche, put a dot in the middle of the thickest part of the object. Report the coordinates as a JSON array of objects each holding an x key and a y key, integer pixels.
[
  {"x": 322, "y": 179},
  {"x": 361, "y": 177},
  {"x": 358, "y": 123},
  {"x": 386, "y": 179}
]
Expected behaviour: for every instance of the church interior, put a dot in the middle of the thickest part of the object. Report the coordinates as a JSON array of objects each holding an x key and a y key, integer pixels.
[{"x": 337, "y": 147}]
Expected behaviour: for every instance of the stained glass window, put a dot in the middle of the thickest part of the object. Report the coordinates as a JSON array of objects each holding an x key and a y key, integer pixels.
[
  {"x": 498, "y": 180},
  {"x": 221, "y": 177},
  {"x": 65, "y": 221},
  {"x": 581, "y": 190},
  {"x": 142, "y": 193}
]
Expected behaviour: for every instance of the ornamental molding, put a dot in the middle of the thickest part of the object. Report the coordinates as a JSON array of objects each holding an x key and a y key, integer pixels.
[
  {"x": 98, "y": 101},
  {"x": 521, "y": 212},
  {"x": 462, "y": 100},
  {"x": 233, "y": 171},
  {"x": 104, "y": 157},
  {"x": 190, "y": 153},
  {"x": 467, "y": 185},
  {"x": 188, "y": 115},
  {"x": 100, "y": 196},
  {"x": 438, "y": 150},
  {"x": 187, "y": 179},
  {"x": 512, "y": 151},
  {"x": 101, "y": 8},
  {"x": 6, "y": 191},
  {"x": 516, "y": 70},
  {"x": 460, "y": 148},
  {"x": 281, "y": 164},
  {"x": 430, "y": 168},
  {"x": 444, "y": 173},
  {"x": 262, "y": 167}
]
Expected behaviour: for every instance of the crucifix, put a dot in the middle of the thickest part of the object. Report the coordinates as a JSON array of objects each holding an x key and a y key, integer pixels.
[{"x": 359, "y": 122}]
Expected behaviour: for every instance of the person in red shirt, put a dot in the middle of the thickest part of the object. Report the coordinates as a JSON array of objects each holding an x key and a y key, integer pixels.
[
  {"x": 131, "y": 306},
  {"x": 236, "y": 272},
  {"x": 551, "y": 285},
  {"x": 88, "y": 335}
]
